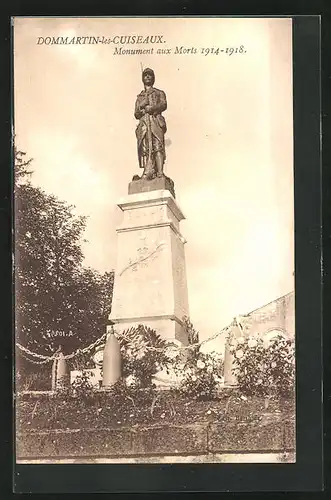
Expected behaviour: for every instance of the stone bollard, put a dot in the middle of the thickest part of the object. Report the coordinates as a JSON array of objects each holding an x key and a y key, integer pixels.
[
  {"x": 60, "y": 373},
  {"x": 230, "y": 378},
  {"x": 112, "y": 361}
]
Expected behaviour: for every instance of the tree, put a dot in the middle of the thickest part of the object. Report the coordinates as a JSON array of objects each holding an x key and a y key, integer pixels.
[
  {"x": 58, "y": 300},
  {"x": 21, "y": 171}
]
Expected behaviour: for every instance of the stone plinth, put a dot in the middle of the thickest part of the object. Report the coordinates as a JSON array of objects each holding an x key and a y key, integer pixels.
[
  {"x": 159, "y": 183},
  {"x": 150, "y": 285}
]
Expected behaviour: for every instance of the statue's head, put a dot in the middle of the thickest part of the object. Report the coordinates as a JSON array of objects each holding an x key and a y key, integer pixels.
[{"x": 148, "y": 76}]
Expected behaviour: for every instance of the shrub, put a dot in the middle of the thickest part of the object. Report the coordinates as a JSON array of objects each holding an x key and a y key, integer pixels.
[
  {"x": 81, "y": 361},
  {"x": 82, "y": 388},
  {"x": 143, "y": 355},
  {"x": 264, "y": 368},
  {"x": 121, "y": 391},
  {"x": 121, "y": 397},
  {"x": 201, "y": 375},
  {"x": 191, "y": 332}
]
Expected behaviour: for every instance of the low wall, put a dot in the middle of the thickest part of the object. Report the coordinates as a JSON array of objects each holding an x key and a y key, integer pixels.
[{"x": 269, "y": 436}]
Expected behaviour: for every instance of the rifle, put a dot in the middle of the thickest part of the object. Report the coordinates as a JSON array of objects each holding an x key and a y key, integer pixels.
[{"x": 149, "y": 167}]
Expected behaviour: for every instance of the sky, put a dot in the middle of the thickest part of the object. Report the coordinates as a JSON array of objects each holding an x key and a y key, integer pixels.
[{"x": 229, "y": 144}]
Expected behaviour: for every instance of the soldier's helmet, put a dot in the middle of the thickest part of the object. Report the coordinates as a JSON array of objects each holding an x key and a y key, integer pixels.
[{"x": 149, "y": 71}]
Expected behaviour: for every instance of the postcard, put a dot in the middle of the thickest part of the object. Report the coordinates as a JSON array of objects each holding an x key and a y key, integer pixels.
[{"x": 154, "y": 240}]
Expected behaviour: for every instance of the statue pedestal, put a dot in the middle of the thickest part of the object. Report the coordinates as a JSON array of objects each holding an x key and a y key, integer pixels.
[
  {"x": 159, "y": 183},
  {"x": 150, "y": 285}
]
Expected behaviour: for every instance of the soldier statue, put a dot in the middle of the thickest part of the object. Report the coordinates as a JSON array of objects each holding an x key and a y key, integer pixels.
[{"x": 151, "y": 127}]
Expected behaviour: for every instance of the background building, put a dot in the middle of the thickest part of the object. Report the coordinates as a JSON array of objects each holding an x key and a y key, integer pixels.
[{"x": 266, "y": 320}]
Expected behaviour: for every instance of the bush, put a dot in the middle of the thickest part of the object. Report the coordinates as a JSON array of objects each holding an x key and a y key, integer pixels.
[
  {"x": 264, "y": 368},
  {"x": 191, "y": 332},
  {"x": 122, "y": 392},
  {"x": 201, "y": 374},
  {"x": 143, "y": 355},
  {"x": 82, "y": 388}
]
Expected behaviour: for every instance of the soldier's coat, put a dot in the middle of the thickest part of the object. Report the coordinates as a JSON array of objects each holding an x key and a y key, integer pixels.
[{"x": 157, "y": 100}]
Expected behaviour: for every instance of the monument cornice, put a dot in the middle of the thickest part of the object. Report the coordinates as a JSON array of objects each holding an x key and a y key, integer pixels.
[
  {"x": 152, "y": 226},
  {"x": 143, "y": 319},
  {"x": 151, "y": 199}
]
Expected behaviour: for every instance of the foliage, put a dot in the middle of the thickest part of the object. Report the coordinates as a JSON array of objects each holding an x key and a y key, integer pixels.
[
  {"x": 82, "y": 388},
  {"x": 191, "y": 332},
  {"x": 143, "y": 355},
  {"x": 122, "y": 392},
  {"x": 263, "y": 368},
  {"x": 58, "y": 300},
  {"x": 201, "y": 374},
  {"x": 22, "y": 167}
]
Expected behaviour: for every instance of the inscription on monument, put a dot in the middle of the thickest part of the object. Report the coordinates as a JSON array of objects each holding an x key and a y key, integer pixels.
[{"x": 144, "y": 256}]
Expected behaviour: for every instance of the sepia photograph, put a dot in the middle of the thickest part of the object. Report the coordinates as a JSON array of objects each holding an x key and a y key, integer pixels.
[{"x": 153, "y": 240}]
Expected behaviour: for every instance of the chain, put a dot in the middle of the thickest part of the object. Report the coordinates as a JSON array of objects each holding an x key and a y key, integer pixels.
[
  {"x": 42, "y": 362},
  {"x": 45, "y": 359},
  {"x": 131, "y": 335},
  {"x": 34, "y": 354},
  {"x": 86, "y": 349},
  {"x": 127, "y": 335}
]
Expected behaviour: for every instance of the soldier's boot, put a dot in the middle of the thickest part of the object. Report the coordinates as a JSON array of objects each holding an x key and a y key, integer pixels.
[{"x": 159, "y": 164}]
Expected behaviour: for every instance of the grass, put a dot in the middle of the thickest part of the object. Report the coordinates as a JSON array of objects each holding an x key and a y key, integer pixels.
[{"x": 144, "y": 408}]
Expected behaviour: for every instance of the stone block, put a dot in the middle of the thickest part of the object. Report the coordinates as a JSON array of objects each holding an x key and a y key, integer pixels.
[
  {"x": 170, "y": 439},
  {"x": 74, "y": 443},
  {"x": 35, "y": 445},
  {"x": 245, "y": 437},
  {"x": 163, "y": 440},
  {"x": 144, "y": 185},
  {"x": 103, "y": 442},
  {"x": 150, "y": 284},
  {"x": 290, "y": 435}
]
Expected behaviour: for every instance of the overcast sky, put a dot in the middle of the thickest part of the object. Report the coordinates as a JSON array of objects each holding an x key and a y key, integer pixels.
[{"x": 229, "y": 144}]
